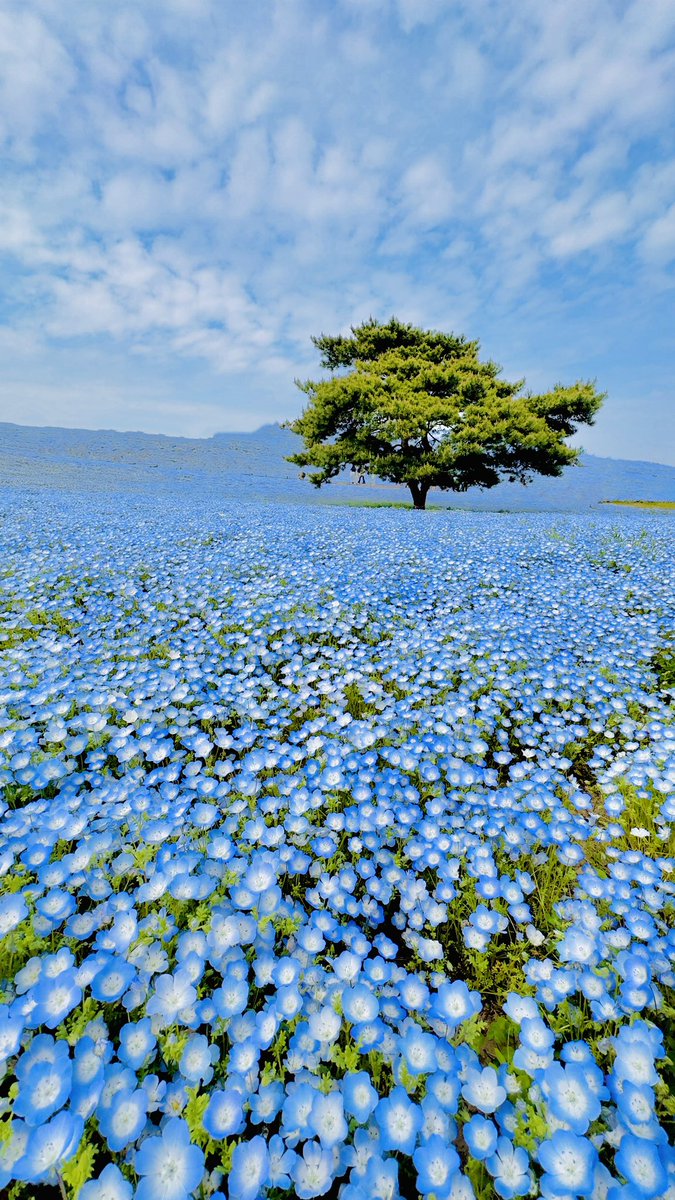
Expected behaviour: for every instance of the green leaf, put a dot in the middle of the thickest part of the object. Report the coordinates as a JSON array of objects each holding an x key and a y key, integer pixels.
[{"x": 78, "y": 1170}]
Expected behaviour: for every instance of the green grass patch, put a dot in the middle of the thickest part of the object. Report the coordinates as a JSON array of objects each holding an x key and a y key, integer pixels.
[{"x": 658, "y": 504}]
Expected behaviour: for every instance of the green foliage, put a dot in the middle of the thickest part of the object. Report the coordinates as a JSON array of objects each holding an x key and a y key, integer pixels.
[
  {"x": 194, "y": 1115},
  {"x": 172, "y": 1045},
  {"x": 73, "y": 1029},
  {"x": 419, "y": 407},
  {"x": 79, "y": 1169},
  {"x": 356, "y": 706},
  {"x": 346, "y": 1058},
  {"x": 17, "y": 947},
  {"x": 663, "y": 665}
]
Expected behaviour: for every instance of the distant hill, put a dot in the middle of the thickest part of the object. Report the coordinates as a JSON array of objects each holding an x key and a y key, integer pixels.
[{"x": 252, "y": 466}]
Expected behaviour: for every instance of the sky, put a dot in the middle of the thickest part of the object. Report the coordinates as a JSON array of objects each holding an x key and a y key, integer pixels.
[{"x": 190, "y": 189}]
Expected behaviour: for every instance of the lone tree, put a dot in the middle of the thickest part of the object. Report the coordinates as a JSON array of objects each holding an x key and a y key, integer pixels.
[{"x": 418, "y": 407}]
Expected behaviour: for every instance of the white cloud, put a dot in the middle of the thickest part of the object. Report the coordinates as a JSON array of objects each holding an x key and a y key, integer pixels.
[
  {"x": 659, "y": 240},
  {"x": 213, "y": 182}
]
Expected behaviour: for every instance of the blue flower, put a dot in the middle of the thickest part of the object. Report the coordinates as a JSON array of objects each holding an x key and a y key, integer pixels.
[
  {"x": 569, "y": 1162},
  {"x": 198, "y": 1059},
  {"x": 170, "y": 1167},
  {"x": 11, "y": 1029},
  {"x": 482, "y": 1089},
  {"x": 436, "y": 1162},
  {"x": 49, "y": 1147},
  {"x": 359, "y": 1004},
  {"x": 569, "y": 1097},
  {"x": 312, "y": 1174},
  {"x": 453, "y": 1003},
  {"x": 231, "y": 997},
  {"x": 381, "y": 1177},
  {"x": 419, "y": 1051},
  {"x": 13, "y": 910},
  {"x": 398, "y": 1121},
  {"x": 45, "y": 1075},
  {"x": 123, "y": 1121},
  {"x": 509, "y": 1167},
  {"x": 327, "y": 1120},
  {"x": 480, "y": 1136},
  {"x": 250, "y": 1170},
  {"x": 137, "y": 1043},
  {"x": 640, "y": 1162},
  {"x": 224, "y": 1114},
  {"x": 112, "y": 980},
  {"x": 109, "y": 1185},
  {"x": 173, "y": 995},
  {"x": 55, "y": 998},
  {"x": 360, "y": 1097}
]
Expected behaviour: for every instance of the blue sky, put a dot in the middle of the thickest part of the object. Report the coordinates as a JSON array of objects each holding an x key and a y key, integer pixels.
[{"x": 191, "y": 188}]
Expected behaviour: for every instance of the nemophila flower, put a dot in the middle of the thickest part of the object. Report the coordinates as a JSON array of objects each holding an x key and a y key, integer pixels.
[
  {"x": 480, "y": 1136},
  {"x": 224, "y": 1114},
  {"x": 44, "y": 1074},
  {"x": 325, "y": 1025},
  {"x": 118, "y": 1078},
  {"x": 244, "y": 1055},
  {"x": 359, "y": 1095},
  {"x": 435, "y": 1120},
  {"x": 280, "y": 1163},
  {"x": 435, "y": 1162},
  {"x": 634, "y": 1060},
  {"x": 418, "y": 1049},
  {"x": 535, "y": 1051},
  {"x": 509, "y": 1168},
  {"x": 453, "y": 1003},
  {"x": 13, "y": 910},
  {"x": 109, "y": 1185},
  {"x": 112, "y": 980},
  {"x": 56, "y": 906},
  {"x": 136, "y": 1043},
  {"x": 326, "y": 1119},
  {"x": 381, "y": 1178},
  {"x": 482, "y": 1090},
  {"x": 359, "y": 1004},
  {"x": 11, "y": 1029},
  {"x": 174, "y": 1099},
  {"x": 48, "y": 1147},
  {"x": 231, "y": 997},
  {"x": 124, "y": 1120},
  {"x": 250, "y": 1169},
  {"x": 172, "y": 995},
  {"x": 398, "y": 1120},
  {"x": 578, "y": 947},
  {"x": 171, "y": 1168},
  {"x": 266, "y": 1103},
  {"x": 569, "y": 1163},
  {"x": 198, "y": 1059},
  {"x": 54, "y": 999},
  {"x": 13, "y": 1151},
  {"x": 635, "y": 1103},
  {"x": 445, "y": 1088},
  {"x": 569, "y": 1097},
  {"x": 641, "y": 1164},
  {"x": 517, "y": 1007},
  {"x": 312, "y": 1174}
]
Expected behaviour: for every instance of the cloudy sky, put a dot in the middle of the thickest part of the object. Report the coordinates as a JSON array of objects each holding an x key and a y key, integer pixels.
[{"x": 190, "y": 189}]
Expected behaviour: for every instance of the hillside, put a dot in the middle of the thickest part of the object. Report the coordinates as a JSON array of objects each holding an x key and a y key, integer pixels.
[{"x": 252, "y": 466}]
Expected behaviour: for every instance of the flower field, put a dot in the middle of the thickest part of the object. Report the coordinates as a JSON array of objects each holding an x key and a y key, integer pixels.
[{"x": 337, "y": 853}]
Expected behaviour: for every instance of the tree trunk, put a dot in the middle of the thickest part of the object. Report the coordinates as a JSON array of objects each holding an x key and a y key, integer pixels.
[{"x": 418, "y": 491}]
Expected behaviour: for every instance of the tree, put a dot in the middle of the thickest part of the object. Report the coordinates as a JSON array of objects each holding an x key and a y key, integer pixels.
[{"x": 418, "y": 407}]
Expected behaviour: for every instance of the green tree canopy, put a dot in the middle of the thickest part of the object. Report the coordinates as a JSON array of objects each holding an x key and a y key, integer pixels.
[{"x": 418, "y": 407}]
